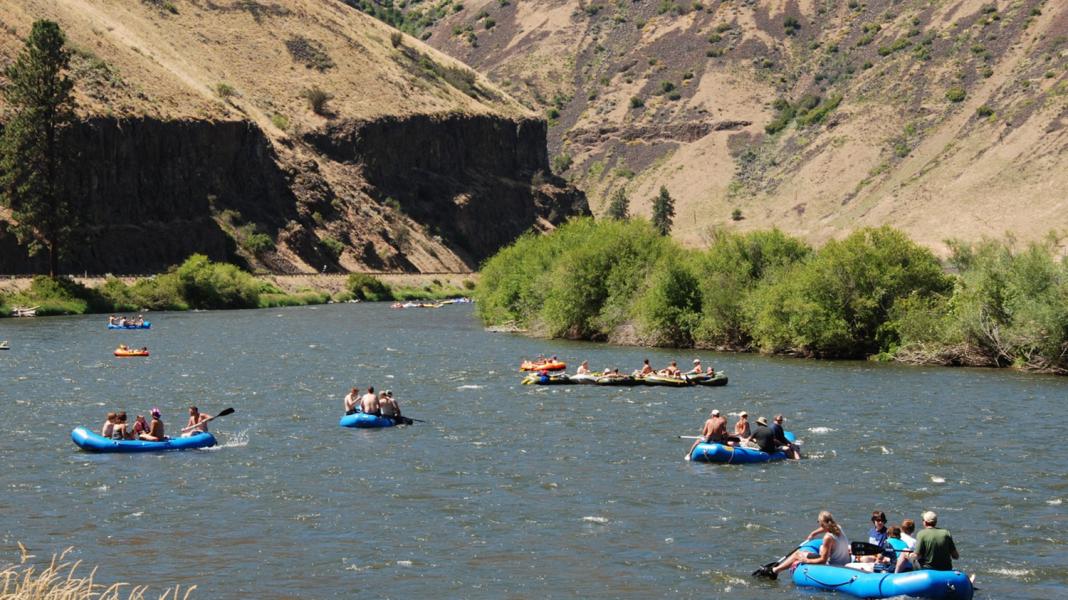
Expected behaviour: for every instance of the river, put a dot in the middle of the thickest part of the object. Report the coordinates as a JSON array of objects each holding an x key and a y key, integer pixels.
[{"x": 506, "y": 491}]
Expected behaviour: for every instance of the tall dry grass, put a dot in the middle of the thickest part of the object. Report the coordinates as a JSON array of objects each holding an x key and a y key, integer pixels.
[{"x": 61, "y": 581}]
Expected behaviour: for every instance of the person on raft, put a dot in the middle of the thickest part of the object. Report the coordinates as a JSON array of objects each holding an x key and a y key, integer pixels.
[
  {"x": 791, "y": 449},
  {"x": 352, "y": 399},
  {"x": 895, "y": 546},
  {"x": 140, "y": 426},
  {"x": 369, "y": 403},
  {"x": 876, "y": 535},
  {"x": 741, "y": 428},
  {"x": 671, "y": 370},
  {"x": 646, "y": 369},
  {"x": 198, "y": 421},
  {"x": 391, "y": 409},
  {"x": 908, "y": 527},
  {"x": 109, "y": 425},
  {"x": 935, "y": 549},
  {"x": 833, "y": 551},
  {"x": 155, "y": 428},
  {"x": 714, "y": 432},
  {"x": 118, "y": 432},
  {"x": 583, "y": 369},
  {"x": 763, "y": 438},
  {"x": 696, "y": 370}
]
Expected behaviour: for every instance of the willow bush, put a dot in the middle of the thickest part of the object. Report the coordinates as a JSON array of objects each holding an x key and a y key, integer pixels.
[
  {"x": 761, "y": 290},
  {"x": 1008, "y": 307}
]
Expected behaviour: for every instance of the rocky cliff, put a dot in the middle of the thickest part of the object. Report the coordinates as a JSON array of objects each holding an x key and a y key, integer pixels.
[
  {"x": 198, "y": 137},
  {"x": 946, "y": 118}
]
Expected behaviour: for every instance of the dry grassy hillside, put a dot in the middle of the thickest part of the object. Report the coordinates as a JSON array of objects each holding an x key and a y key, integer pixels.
[
  {"x": 176, "y": 89},
  {"x": 946, "y": 118}
]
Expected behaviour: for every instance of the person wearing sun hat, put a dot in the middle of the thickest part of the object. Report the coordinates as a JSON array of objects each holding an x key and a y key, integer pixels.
[
  {"x": 155, "y": 428},
  {"x": 763, "y": 438},
  {"x": 696, "y": 370}
]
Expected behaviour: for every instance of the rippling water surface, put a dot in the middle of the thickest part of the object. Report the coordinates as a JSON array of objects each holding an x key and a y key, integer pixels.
[{"x": 507, "y": 491}]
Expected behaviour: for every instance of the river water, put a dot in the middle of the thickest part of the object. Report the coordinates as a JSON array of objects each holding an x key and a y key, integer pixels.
[{"x": 507, "y": 491}]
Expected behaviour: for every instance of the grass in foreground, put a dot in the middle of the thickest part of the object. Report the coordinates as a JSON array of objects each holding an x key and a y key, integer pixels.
[{"x": 60, "y": 580}]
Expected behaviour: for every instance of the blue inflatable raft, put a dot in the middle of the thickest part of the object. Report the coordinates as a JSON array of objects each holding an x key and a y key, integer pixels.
[
  {"x": 944, "y": 585},
  {"x": 950, "y": 585},
  {"x": 366, "y": 421},
  {"x": 146, "y": 325},
  {"x": 92, "y": 442},
  {"x": 720, "y": 453}
]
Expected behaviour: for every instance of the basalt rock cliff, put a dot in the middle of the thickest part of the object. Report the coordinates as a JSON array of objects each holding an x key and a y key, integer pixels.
[{"x": 197, "y": 135}]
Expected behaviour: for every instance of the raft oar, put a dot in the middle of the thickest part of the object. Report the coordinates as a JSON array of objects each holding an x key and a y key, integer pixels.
[
  {"x": 222, "y": 413},
  {"x": 867, "y": 549},
  {"x": 766, "y": 570}
]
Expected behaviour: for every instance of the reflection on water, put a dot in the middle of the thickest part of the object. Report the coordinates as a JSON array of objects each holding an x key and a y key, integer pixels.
[{"x": 506, "y": 490}]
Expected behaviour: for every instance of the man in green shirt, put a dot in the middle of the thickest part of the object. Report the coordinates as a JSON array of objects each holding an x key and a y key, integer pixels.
[{"x": 935, "y": 549}]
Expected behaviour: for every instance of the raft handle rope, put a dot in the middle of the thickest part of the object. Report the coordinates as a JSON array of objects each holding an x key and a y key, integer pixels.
[{"x": 834, "y": 586}]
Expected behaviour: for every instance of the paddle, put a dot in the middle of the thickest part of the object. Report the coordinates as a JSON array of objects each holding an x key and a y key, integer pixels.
[
  {"x": 766, "y": 570},
  {"x": 222, "y": 413},
  {"x": 866, "y": 549}
]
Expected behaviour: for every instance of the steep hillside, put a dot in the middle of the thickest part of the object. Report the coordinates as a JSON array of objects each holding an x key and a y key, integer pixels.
[
  {"x": 200, "y": 135},
  {"x": 946, "y": 118}
]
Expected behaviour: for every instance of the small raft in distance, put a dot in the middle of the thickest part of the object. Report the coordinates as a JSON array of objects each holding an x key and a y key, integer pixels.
[
  {"x": 365, "y": 421},
  {"x": 130, "y": 352},
  {"x": 92, "y": 442},
  {"x": 145, "y": 325}
]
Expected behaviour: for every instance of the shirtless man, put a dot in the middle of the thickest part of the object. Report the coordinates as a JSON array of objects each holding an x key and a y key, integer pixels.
[
  {"x": 714, "y": 432},
  {"x": 583, "y": 369},
  {"x": 155, "y": 428},
  {"x": 109, "y": 425},
  {"x": 646, "y": 369},
  {"x": 672, "y": 370},
  {"x": 198, "y": 421},
  {"x": 351, "y": 400},
  {"x": 369, "y": 403},
  {"x": 741, "y": 428},
  {"x": 696, "y": 370}
]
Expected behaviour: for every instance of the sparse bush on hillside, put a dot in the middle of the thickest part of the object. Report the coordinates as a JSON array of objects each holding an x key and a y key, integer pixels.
[
  {"x": 317, "y": 99},
  {"x": 984, "y": 111},
  {"x": 818, "y": 113},
  {"x": 489, "y": 23},
  {"x": 395, "y": 38},
  {"x": 636, "y": 102},
  {"x": 280, "y": 121},
  {"x": 561, "y": 163},
  {"x": 956, "y": 94},
  {"x": 736, "y": 215},
  {"x": 309, "y": 53},
  {"x": 225, "y": 90},
  {"x": 791, "y": 25},
  {"x": 332, "y": 246}
]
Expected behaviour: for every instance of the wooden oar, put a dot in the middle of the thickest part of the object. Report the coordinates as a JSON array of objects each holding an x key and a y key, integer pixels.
[{"x": 222, "y": 413}]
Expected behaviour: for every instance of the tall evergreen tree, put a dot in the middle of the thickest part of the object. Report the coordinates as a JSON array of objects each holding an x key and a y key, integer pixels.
[
  {"x": 663, "y": 211},
  {"x": 32, "y": 156},
  {"x": 619, "y": 205}
]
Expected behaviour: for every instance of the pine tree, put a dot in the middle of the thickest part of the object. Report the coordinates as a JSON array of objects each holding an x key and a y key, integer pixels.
[
  {"x": 618, "y": 207},
  {"x": 663, "y": 211},
  {"x": 32, "y": 156}
]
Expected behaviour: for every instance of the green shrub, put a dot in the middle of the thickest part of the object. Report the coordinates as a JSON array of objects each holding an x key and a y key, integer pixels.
[
  {"x": 561, "y": 163},
  {"x": 984, "y": 111},
  {"x": 636, "y": 102},
  {"x": 670, "y": 308},
  {"x": 258, "y": 243},
  {"x": 956, "y": 94},
  {"x": 791, "y": 25},
  {"x": 225, "y": 90},
  {"x": 368, "y": 287},
  {"x": 396, "y": 38},
  {"x": 207, "y": 285},
  {"x": 489, "y": 23},
  {"x": 332, "y": 246},
  {"x": 819, "y": 112},
  {"x": 837, "y": 302},
  {"x": 280, "y": 121}
]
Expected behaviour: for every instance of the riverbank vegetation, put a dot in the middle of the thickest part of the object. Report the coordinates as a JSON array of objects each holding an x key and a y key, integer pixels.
[
  {"x": 873, "y": 294},
  {"x": 199, "y": 283},
  {"x": 62, "y": 580}
]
